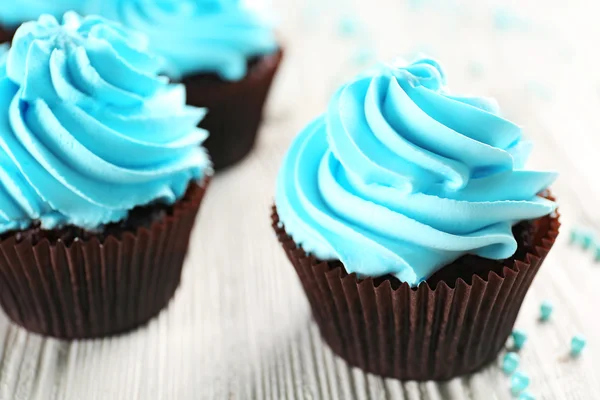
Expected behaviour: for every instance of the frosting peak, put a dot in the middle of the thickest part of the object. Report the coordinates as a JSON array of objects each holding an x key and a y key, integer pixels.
[
  {"x": 401, "y": 177},
  {"x": 88, "y": 130},
  {"x": 196, "y": 36}
]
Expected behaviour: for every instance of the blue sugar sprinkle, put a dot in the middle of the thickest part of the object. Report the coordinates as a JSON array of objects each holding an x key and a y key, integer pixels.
[
  {"x": 574, "y": 236},
  {"x": 348, "y": 27},
  {"x": 505, "y": 19},
  {"x": 584, "y": 237},
  {"x": 510, "y": 363},
  {"x": 539, "y": 90},
  {"x": 526, "y": 396},
  {"x": 475, "y": 69},
  {"x": 597, "y": 252},
  {"x": 577, "y": 345},
  {"x": 363, "y": 56},
  {"x": 587, "y": 239},
  {"x": 519, "y": 382},
  {"x": 546, "y": 310},
  {"x": 519, "y": 339}
]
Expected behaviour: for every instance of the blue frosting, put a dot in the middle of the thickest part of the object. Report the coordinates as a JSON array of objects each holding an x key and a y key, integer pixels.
[
  {"x": 88, "y": 130},
  {"x": 196, "y": 36},
  {"x": 14, "y": 12},
  {"x": 400, "y": 177},
  {"x": 3, "y": 52}
]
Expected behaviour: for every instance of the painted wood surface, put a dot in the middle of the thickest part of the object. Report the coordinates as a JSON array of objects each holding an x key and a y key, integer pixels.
[{"x": 239, "y": 326}]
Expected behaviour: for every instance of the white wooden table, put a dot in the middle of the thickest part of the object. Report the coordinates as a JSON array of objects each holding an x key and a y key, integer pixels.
[{"x": 240, "y": 327}]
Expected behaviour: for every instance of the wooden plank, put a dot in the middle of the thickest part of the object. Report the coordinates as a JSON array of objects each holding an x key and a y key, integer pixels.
[{"x": 240, "y": 328}]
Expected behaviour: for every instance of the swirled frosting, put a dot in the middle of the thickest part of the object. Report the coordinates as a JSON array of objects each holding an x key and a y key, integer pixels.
[
  {"x": 196, "y": 36},
  {"x": 88, "y": 130},
  {"x": 400, "y": 177},
  {"x": 15, "y": 12}
]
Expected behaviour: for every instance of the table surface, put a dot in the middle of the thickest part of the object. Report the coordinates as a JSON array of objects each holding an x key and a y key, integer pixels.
[{"x": 240, "y": 327}]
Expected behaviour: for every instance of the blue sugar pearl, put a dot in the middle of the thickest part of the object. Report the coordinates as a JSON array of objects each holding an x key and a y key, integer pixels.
[
  {"x": 363, "y": 56},
  {"x": 587, "y": 240},
  {"x": 575, "y": 236},
  {"x": 510, "y": 363},
  {"x": 597, "y": 252},
  {"x": 518, "y": 382},
  {"x": 538, "y": 89},
  {"x": 476, "y": 69},
  {"x": 519, "y": 339},
  {"x": 546, "y": 310},
  {"x": 577, "y": 345},
  {"x": 526, "y": 396},
  {"x": 348, "y": 26}
]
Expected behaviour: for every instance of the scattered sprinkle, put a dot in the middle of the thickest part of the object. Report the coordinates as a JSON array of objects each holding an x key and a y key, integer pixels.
[
  {"x": 574, "y": 236},
  {"x": 505, "y": 19},
  {"x": 475, "y": 69},
  {"x": 526, "y": 396},
  {"x": 546, "y": 310},
  {"x": 519, "y": 382},
  {"x": 519, "y": 339},
  {"x": 587, "y": 239},
  {"x": 597, "y": 252},
  {"x": 510, "y": 363},
  {"x": 577, "y": 345},
  {"x": 539, "y": 90},
  {"x": 348, "y": 26},
  {"x": 363, "y": 56},
  {"x": 583, "y": 237}
]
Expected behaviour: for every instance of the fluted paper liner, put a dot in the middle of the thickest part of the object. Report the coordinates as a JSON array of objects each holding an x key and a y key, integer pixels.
[
  {"x": 6, "y": 35},
  {"x": 97, "y": 287},
  {"x": 234, "y": 109},
  {"x": 442, "y": 329}
]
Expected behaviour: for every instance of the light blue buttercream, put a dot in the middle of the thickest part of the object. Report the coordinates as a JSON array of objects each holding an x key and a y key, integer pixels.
[
  {"x": 88, "y": 130},
  {"x": 15, "y": 12},
  {"x": 400, "y": 177},
  {"x": 3, "y": 52},
  {"x": 196, "y": 36}
]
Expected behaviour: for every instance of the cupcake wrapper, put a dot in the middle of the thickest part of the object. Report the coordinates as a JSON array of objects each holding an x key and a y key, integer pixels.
[
  {"x": 416, "y": 334},
  {"x": 234, "y": 109},
  {"x": 6, "y": 35},
  {"x": 91, "y": 288}
]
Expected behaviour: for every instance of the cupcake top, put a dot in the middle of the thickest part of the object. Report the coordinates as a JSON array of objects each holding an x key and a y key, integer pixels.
[
  {"x": 88, "y": 130},
  {"x": 400, "y": 177},
  {"x": 14, "y": 12},
  {"x": 196, "y": 36}
]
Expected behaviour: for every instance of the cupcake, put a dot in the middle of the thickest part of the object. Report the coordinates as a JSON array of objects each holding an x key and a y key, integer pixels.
[
  {"x": 412, "y": 223},
  {"x": 102, "y": 176},
  {"x": 15, "y": 12},
  {"x": 222, "y": 51}
]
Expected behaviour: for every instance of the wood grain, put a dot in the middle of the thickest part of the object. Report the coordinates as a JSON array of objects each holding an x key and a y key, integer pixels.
[{"x": 240, "y": 327}]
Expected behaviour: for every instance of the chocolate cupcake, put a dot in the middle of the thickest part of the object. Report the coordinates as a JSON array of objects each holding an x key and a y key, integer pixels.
[
  {"x": 102, "y": 176},
  {"x": 225, "y": 55},
  {"x": 14, "y": 12},
  {"x": 413, "y": 224}
]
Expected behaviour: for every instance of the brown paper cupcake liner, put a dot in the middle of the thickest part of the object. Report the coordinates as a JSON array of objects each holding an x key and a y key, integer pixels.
[
  {"x": 451, "y": 325},
  {"x": 97, "y": 285},
  {"x": 234, "y": 109},
  {"x": 6, "y": 35}
]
